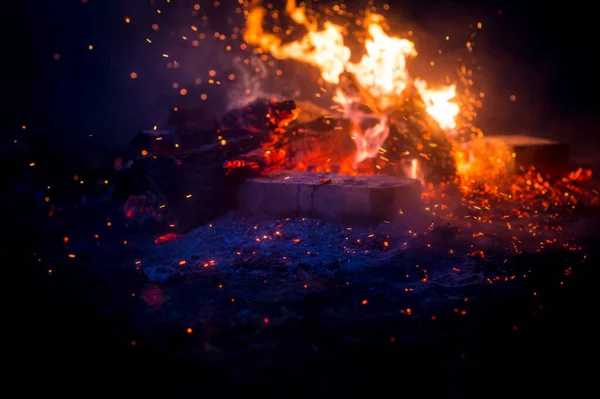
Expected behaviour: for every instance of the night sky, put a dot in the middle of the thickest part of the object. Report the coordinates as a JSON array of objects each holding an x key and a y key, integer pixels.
[{"x": 543, "y": 55}]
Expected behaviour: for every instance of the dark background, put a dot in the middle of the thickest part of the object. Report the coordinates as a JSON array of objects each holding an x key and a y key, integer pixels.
[{"x": 542, "y": 53}]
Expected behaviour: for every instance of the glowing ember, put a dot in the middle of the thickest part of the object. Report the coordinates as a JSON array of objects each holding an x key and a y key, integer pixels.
[{"x": 166, "y": 238}]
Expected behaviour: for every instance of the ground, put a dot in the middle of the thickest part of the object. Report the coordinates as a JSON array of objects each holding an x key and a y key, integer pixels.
[{"x": 302, "y": 306}]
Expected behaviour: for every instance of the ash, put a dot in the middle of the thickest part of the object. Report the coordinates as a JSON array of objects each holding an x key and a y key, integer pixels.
[{"x": 242, "y": 271}]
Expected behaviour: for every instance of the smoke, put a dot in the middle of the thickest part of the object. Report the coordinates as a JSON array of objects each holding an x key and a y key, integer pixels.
[{"x": 250, "y": 80}]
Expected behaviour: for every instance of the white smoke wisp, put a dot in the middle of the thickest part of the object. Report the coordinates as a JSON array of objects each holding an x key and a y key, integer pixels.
[
  {"x": 369, "y": 131},
  {"x": 249, "y": 84}
]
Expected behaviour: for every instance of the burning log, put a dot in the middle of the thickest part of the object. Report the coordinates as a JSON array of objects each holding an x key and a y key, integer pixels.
[
  {"x": 413, "y": 133},
  {"x": 321, "y": 145},
  {"x": 261, "y": 117},
  {"x": 310, "y": 112},
  {"x": 416, "y": 135}
]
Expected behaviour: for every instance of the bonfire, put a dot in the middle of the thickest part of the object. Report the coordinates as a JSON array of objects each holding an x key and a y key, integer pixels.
[
  {"x": 383, "y": 120},
  {"x": 399, "y": 124}
]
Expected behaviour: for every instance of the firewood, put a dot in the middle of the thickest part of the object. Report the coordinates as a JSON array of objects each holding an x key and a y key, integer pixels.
[
  {"x": 309, "y": 112},
  {"x": 414, "y": 134},
  {"x": 197, "y": 182}
]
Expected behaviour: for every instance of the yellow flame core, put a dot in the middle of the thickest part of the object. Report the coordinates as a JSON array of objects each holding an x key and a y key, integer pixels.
[
  {"x": 382, "y": 70},
  {"x": 324, "y": 49},
  {"x": 438, "y": 105}
]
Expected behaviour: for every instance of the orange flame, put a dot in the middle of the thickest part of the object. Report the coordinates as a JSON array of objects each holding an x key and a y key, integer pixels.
[{"x": 381, "y": 72}]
